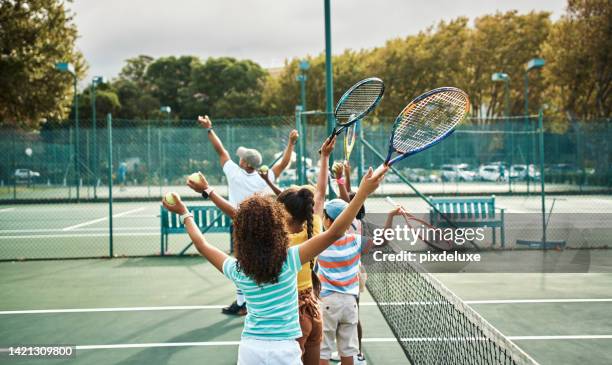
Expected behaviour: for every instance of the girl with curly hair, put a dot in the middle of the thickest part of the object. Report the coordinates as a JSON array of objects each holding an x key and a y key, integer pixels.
[{"x": 266, "y": 269}]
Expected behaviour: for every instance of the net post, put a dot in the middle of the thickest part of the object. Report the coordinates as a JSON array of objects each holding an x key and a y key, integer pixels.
[
  {"x": 542, "y": 183},
  {"x": 109, "y": 122}
]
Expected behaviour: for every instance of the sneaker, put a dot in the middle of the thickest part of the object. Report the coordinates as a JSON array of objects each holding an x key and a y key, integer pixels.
[
  {"x": 359, "y": 360},
  {"x": 235, "y": 309},
  {"x": 335, "y": 356}
]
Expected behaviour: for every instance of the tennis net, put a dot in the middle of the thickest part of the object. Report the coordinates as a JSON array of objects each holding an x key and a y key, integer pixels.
[{"x": 432, "y": 325}]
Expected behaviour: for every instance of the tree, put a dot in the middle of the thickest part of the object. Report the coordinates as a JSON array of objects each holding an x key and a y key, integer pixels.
[
  {"x": 34, "y": 35},
  {"x": 579, "y": 68}
]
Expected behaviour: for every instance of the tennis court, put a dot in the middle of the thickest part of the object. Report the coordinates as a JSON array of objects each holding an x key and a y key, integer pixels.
[{"x": 167, "y": 309}]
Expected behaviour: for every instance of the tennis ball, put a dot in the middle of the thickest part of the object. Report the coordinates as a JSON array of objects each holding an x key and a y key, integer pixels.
[
  {"x": 195, "y": 177},
  {"x": 169, "y": 198},
  {"x": 337, "y": 166},
  {"x": 264, "y": 169}
]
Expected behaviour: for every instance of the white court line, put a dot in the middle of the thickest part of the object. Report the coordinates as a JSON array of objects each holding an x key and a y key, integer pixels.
[
  {"x": 204, "y": 307},
  {"x": 101, "y": 229},
  {"x": 368, "y": 340},
  {"x": 6, "y": 210},
  {"x": 102, "y": 219},
  {"x": 77, "y": 235}
]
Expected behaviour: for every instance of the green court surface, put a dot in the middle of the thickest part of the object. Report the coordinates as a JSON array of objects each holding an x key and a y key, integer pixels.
[{"x": 166, "y": 310}]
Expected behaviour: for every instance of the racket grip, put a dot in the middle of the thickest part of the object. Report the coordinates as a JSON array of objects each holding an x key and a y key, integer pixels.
[{"x": 379, "y": 169}]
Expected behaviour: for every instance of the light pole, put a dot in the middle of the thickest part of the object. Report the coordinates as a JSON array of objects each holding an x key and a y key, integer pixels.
[
  {"x": 97, "y": 80},
  {"x": 503, "y": 77},
  {"x": 533, "y": 64},
  {"x": 165, "y": 109},
  {"x": 67, "y": 67},
  {"x": 301, "y": 77}
]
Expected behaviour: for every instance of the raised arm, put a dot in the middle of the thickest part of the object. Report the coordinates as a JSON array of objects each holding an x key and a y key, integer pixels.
[
  {"x": 200, "y": 186},
  {"x": 321, "y": 189},
  {"x": 314, "y": 246},
  {"x": 206, "y": 123},
  {"x": 212, "y": 254},
  {"x": 342, "y": 192},
  {"x": 264, "y": 176},
  {"x": 281, "y": 165},
  {"x": 347, "y": 176}
]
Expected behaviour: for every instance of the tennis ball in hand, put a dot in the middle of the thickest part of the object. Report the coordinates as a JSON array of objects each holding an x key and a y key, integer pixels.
[
  {"x": 337, "y": 166},
  {"x": 195, "y": 177},
  {"x": 169, "y": 198},
  {"x": 264, "y": 169}
]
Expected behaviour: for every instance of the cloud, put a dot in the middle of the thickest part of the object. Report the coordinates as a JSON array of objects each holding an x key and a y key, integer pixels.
[{"x": 267, "y": 31}]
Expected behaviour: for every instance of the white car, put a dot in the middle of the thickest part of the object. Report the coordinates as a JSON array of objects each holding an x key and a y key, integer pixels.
[
  {"x": 491, "y": 173},
  {"x": 26, "y": 174},
  {"x": 460, "y": 172}
]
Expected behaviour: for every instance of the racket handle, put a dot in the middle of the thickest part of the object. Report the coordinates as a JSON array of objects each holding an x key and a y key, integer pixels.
[
  {"x": 328, "y": 138},
  {"x": 379, "y": 169}
]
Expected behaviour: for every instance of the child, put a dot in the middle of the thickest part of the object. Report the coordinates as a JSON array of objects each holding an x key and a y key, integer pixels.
[
  {"x": 266, "y": 268},
  {"x": 304, "y": 221}
]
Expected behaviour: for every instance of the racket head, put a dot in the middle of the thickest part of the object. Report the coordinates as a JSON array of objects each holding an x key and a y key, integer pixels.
[
  {"x": 359, "y": 100},
  {"x": 428, "y": 119},
  {"x": 350, "y": 136}
]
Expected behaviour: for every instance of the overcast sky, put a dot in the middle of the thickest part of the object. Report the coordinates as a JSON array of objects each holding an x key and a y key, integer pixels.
[{"x": 267, "y": 31}]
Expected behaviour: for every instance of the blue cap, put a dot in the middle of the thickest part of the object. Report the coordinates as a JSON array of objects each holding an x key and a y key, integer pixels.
[{"x": 334, "y": 207}]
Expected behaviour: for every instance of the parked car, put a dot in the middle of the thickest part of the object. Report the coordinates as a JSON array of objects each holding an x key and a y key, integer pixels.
[
  {"x": 420, "y": 175},
  {"x": 26, "y": 174},
  {"x": 518, "y": 172},
  {"x": 491, "y": 172},
  {"x": 458, "y": 172},
  {"x": 287, "y": 177}
]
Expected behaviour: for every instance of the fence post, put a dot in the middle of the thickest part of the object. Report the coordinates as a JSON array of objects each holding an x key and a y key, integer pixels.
[
  {"x": 299, "y": 162},
  {"x": 542, "y": 183},
  {"x": 14, "y": 165},
  {"x": 109, "y": 121},
  {"x": 148, "y": 158}
]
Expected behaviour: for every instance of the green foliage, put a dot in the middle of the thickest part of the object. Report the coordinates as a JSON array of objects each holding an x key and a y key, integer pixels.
[
  {"x": 580, "y": 67},
  {"x": 34, "y": 35}
]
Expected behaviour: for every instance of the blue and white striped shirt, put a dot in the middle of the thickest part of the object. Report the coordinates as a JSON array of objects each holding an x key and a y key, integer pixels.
[{"x": 272, "y": 308}]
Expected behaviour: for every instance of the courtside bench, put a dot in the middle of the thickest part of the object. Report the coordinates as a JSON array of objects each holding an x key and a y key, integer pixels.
[
  {"x": 208, "y": 218},
  {"x": 468, "y": 213}
]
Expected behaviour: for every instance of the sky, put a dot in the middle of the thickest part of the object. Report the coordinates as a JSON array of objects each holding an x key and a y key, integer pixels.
[{"x": 266, "y": 31}]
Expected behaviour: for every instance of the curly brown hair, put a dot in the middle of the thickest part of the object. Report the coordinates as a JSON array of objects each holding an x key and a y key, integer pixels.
[{"x": 261, "y": 238}]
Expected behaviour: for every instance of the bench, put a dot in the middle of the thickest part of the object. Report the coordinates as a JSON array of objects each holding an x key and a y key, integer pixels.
[
  {"x": 208, "y": 218},
  {"x": 468, "y": 213}
]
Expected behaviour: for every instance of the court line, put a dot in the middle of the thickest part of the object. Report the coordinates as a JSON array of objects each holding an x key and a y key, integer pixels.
[
  {"x": 78, "y": 235},
  {"x": 94, "y": 221},
  {"x": 367, "y": 340},
  {"x": 6, "y": 210},
  {"x": 102, "y": 229},
  {"x": 366, "y": 304}
]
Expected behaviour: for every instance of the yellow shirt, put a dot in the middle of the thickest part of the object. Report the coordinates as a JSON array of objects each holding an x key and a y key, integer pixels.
[{"x": 303, "y": 278}]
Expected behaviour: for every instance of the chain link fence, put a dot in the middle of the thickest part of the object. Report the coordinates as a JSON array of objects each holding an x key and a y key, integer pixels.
[{"x": 43, "y": 173}]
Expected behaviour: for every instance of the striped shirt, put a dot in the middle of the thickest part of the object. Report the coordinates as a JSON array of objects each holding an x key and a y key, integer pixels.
[
  {"x": 272, "y": 309},
  {"x": 339, "y": 266}
]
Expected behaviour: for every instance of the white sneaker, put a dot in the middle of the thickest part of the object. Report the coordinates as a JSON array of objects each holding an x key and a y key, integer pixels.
[
  {"x": 335, "y": 356},
  {"x": 359, "y": 360}
]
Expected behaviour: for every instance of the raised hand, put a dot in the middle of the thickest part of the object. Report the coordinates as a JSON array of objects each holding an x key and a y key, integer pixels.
[{"x": 205, "y": 121}]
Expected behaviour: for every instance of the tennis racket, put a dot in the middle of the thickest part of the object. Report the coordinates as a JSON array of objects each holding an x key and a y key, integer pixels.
[
  {"x": 414, "y": 223},
  {"x": 426, "y": 121},
  {"x": 356, "y": 103}
]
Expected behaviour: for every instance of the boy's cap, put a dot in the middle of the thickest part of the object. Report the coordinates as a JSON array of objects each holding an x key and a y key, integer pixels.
[
  {"x": 250, "y": 156},
  {"x": 334, "y": 207}
]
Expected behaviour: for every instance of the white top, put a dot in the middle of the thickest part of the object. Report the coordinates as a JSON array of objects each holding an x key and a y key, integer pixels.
[{"x": 242, "y": 184}]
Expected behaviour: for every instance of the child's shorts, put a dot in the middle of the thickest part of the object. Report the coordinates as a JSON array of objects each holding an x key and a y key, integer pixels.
[
  {"x": 264, "y": 352},
  {"x": 340, "y": 317}
]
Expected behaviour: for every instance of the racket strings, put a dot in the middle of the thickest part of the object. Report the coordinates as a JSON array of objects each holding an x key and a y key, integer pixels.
[
  {"x": 359, "y": 101},
  {"x": 427, "y": 120}
]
